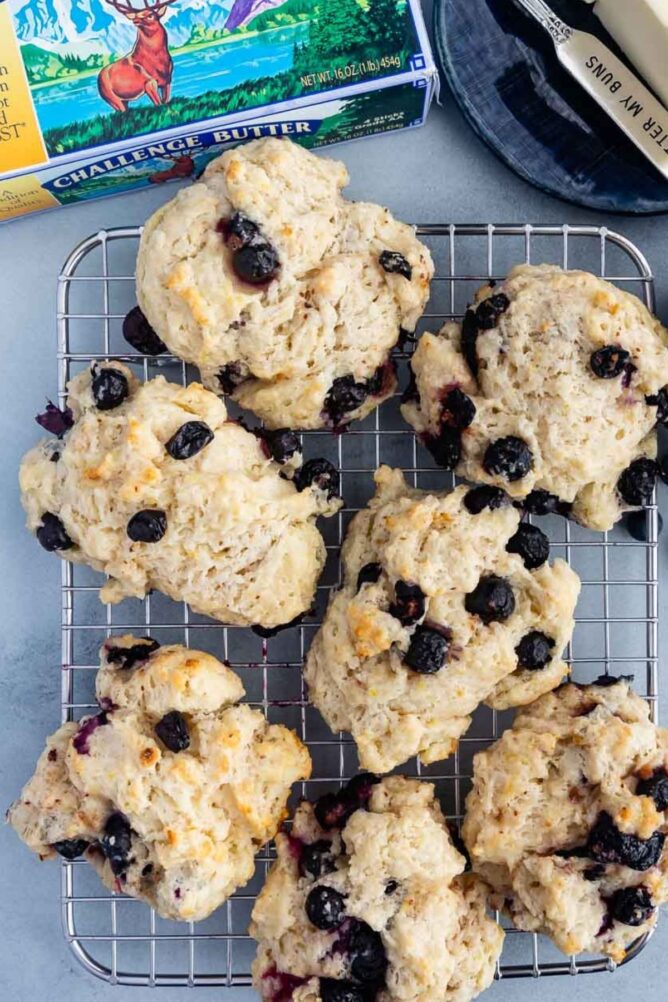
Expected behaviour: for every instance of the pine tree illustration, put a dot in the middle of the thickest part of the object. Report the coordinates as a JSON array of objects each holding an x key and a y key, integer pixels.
[
  {"x": 387, "y": 20},
  {"x": 340, "y": 26}
]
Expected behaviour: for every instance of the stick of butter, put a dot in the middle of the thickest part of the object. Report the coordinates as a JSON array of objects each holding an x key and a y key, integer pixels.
[{"x": 640, "y": 28}]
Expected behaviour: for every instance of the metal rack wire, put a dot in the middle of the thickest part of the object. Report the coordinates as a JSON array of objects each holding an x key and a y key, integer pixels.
[{"x": 120, "y": 939}]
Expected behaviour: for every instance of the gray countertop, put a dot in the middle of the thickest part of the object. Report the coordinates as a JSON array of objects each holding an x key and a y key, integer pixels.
[{"x": 438, "y": 173}]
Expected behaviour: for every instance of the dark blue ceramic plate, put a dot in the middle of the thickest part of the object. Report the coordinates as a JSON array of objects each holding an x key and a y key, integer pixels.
[{"x": 503, "y": 71}]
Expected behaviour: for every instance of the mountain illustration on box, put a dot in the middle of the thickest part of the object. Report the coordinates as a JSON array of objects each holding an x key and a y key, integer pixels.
[{"x": 105, "y": 70}]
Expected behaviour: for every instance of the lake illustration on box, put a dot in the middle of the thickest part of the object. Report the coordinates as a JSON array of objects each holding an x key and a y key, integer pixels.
[{"x": 105, "y": 70}]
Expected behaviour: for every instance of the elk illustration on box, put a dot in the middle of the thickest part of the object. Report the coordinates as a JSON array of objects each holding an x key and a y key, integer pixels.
[{"x": 148, "y": 68}]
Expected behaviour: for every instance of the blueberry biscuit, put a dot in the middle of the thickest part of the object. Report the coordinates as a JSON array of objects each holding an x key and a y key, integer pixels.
[
  {"x": 152, "y": 484},
  {"x": 567, "y": 818},
  {"x": 368, "y": 899},
  {"x": 170, "y": 790},
  {"x": 284, "y": 294},
  {"x": 448, "y": 600},
  {"x": 552, "y": 389}
]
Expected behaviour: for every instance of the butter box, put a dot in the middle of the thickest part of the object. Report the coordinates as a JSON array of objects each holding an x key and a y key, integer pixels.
[{"x": 99, "y": 97}]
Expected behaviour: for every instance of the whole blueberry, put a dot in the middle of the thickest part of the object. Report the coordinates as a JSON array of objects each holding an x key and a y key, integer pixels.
[
  {"x": 147, "y": 526},
  {"x": 281, "y": 444},
  {"x": 241, "y": 231},
  {"x": 445, "y": 446},
  {"x": 325, "y": 907},
  {"x": 509, "y": 457},
  {"x": 492, "y": 600},
  {"x": 110, "y": 388},
  {"x": 190, "y": 439},
  {"x": 408, "y": 606},
  {"x": 485, "y": 496},
  {"x": 344, "y": 396},
  {"x": 660, "y": 401},
  {"x": 395, "y": 263},
  {"x": 318, "y": 473},
  {"x": 117, "y": 842},
  {"x": 52, "y": 534},
  {"x": 317, "y": 859},
  {"x": 333, "y": 810},
  {"x": 531, "y": 544},
  {"x": 256, "y": 263},
  {"x": 367, "y": 957},
  {"x": 71, "y": 848},
  {"x": 138, "y": 332},
  {"x": 172, "y": 730},
  {"x": 458, "y": 409},
  {"x": 631, "y": 905},
  {"x": 332, "y": 990},
  {"x": 635, "y": 523},
  {"x": 607, "y": 844},
  {"x": 534, "y": 650},
  {"x": 128, "y": 657},
  {"x": 609, "y": 362},
  {"x": 637, "y": 482},
  {"x": 369, "y": 574},
  {"x": 231, "y": 376},
  {"x": 427, "y": 651},
  {"x": 655, "y": 787}
]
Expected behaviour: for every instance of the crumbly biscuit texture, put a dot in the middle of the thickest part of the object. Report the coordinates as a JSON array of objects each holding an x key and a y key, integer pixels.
[
  {"x": 239, "y": 541},
  {"x": 430, "y": 546},
  {"x": 175, "y": 826},
  {"x": 567, "y": 818},
  {"x": 310, "y": 346},
  {"x": 568, "y": 364},
  {"x": 414, "y": 926}
]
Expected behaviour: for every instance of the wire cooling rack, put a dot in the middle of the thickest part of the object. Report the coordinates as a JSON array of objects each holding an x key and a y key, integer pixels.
[{"x": 120, "y": 939}]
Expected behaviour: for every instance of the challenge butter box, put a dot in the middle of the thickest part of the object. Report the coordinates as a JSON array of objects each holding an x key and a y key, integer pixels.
[{"x": 99, "y": 97}]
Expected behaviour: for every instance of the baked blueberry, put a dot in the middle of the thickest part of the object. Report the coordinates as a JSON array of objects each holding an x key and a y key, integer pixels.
[
  {"x": 660, "y": 401},
  {"x": 469, "y": 340},
  {"x": 138, "y": 332},
  {"x": 325, "y": 907},
  {"x": 391, "y": 886},
  {"x": 428, "y": 650},
  {"x": 256, "y": 263},
  {"x": 381, "y": 380},
  {"x": 367, "y": 958},
  {"x": 369, "y": 574},
  {"x": 331, "y": 990},
  {"x": 231, "y": 376},
  {"x": 272, "y": 631},
  {"x": 485, "y": 496},
  {"x": 508, "y": 457},
  {"x": 609, "y": 362},
  {"x": 147, "y": 526},
  {"x": 128, "y": 657},
  {"x": 109, "y": 388},
  {"x": 172, "y": 730},
  {"x": 317, "y": 859},
  {"x": 458, "y": 409},
  {"x": 607, "y": 844},
  {"x": 318, "y": 473},
  {"x": 240, "y": 231},
  {"x": 344, "y": 396},
  {"x": 631, "y": 905},
  {"x": 55, "y": 420},
  {"x": 531, "y": 544},
  {"x": 190, "y": 439},
  {"x": 490, "y": 310},
  {"x": 81, "y": 740},
  {"x": 534, "y": 650},
  {"x": 116, "y": 842},
  {"x": 332, "y": 810},
  {"x": 445, "y": 447},
  {"x": 655, "y": 787},
  {"x": 71, "y": 848},
  {"x": 52, "y": 534},
  {"x": 408, "y": 606},
  {"x": 396, "y": 264},
  {"x": 281, "y": 444},
  {"x": 637, "y": 482},
  {"x": 492, "y": 600},
  {"x": 635, "y": 523},
  {"x": 541, "y": 502},
  {"x": 411, "y": 393}
]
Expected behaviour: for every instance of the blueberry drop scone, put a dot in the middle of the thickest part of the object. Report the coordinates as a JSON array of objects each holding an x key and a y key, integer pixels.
[
  {"x": 153, "y": 485},
  {"x": 448, "y": 601},
  {"x": 284, "y": 294},
  {"x": 368, "y": 899},
  {"x": 171, "y": 789},
  {"x": 551, "y": 388},
  {"x": 567, "y": 818}
]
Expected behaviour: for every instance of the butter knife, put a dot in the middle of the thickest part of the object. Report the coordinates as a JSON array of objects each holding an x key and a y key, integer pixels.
[{"x": 610, "y": 82}]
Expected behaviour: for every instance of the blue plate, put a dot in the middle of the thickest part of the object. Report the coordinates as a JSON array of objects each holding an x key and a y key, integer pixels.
[{"x": 503, "y": 71}]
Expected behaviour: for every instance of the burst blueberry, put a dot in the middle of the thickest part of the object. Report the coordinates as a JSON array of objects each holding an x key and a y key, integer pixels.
[
  {"x": 231, "y": 376},
  {"x": 395, "y": 263},
  {"x": 55, "y": 420},
  {"x": 409, "y": 603},
  {"x": 317, "y": 859},
  {"x": 109, "y": 388},
  {"x": 655, "y": 787},
  {"x": 332, "y": 990},
  {"x": 631, "y": 905},
  {"x": 281, "y": 444},
  {"x": 172, "y": 730},
  {"x": 492, "y": 600},
  {"x": 445, "y": 446},
  {"x": 71, "y": 848},
  {"x": 509, "y": 457},
  {"x": 541, "y": 502},
  {"x": 607, "y": 844},
  {"x": 333, "y": 810},
  {"x": 138, "y": 332},
  {"x": 531, "y": 544},
  {"x": 345, "y": 395},
  {"x": 116, "y": 842},
  {"x": 52, "y": 534},
  {"x": 660, "y": 401},
  {"x": 485, "y": 496},
  {"x": 369, "y": 574},
  {"x": 458, "y": 410},
  {"x": 129, "y": 657},
  {"x": 609, "y": 362},
  {"x": 318, "y": 473},
  {"x": 147, "y": 526}
]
